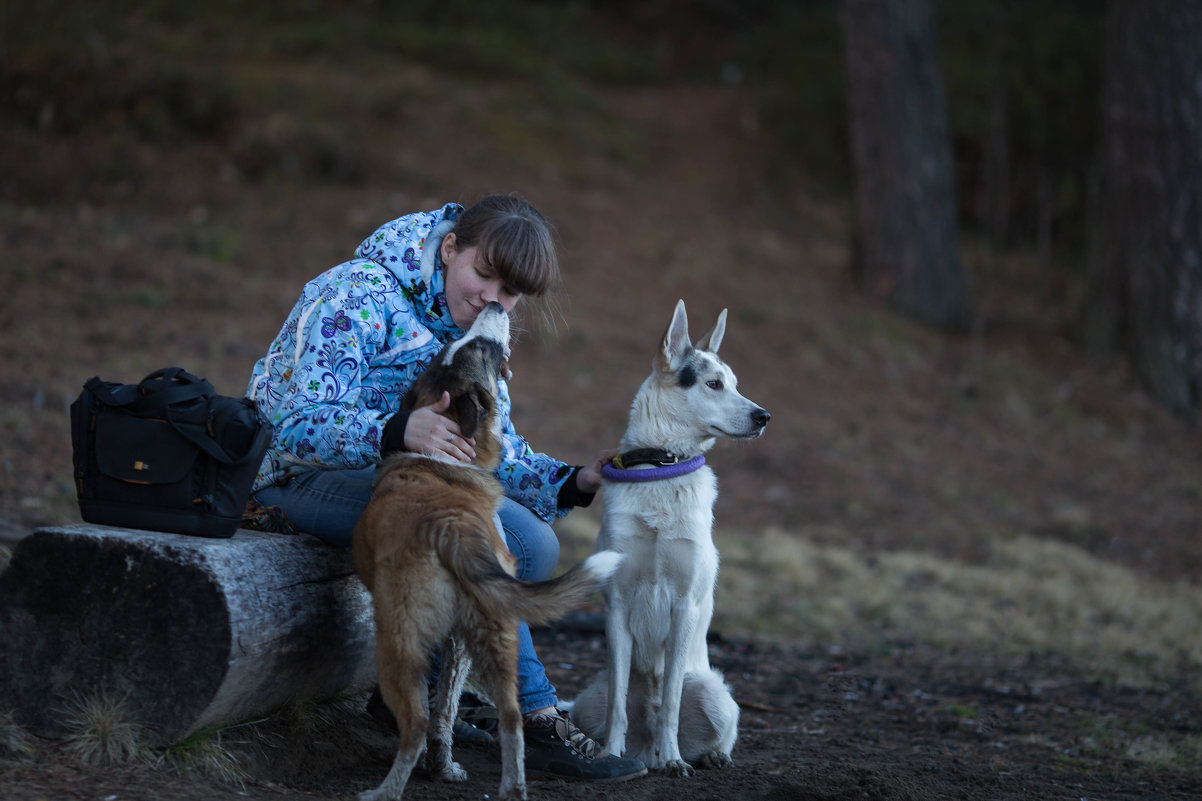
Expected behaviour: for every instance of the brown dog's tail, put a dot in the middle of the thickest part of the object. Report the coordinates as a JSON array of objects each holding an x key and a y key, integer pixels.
[{"x": 535, "y": 602}]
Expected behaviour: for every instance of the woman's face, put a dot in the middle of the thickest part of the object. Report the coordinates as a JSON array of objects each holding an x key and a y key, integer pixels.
[{"x": 471, "y": 283}]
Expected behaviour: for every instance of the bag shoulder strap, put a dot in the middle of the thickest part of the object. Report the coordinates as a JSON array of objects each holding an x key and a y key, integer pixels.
[{"x": 202, "y": 440}]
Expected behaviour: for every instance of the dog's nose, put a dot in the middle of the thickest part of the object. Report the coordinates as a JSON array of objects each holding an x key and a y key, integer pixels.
[{"x": 760, "y": 417}]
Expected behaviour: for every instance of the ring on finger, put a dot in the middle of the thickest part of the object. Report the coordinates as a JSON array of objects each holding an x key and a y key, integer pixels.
[{"x": 450, "y": 437}]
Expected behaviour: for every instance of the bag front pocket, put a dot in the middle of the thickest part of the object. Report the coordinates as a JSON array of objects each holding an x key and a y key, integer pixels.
[{"x": 142, "y": 460}]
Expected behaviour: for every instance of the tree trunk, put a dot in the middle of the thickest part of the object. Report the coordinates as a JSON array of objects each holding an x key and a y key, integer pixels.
[
  {"x": 905, "y": 246},
  {"x": 186, "y": 632},
  {"x": 1146, "y": 266}
]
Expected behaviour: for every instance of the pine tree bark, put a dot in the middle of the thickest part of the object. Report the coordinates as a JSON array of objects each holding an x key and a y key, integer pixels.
[
  {"x": 1145, "y": 266},
  {"x": 905, "y": 248}
]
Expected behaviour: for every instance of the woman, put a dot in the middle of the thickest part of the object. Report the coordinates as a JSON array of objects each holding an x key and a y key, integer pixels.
[{"x": 332, "y": 381}]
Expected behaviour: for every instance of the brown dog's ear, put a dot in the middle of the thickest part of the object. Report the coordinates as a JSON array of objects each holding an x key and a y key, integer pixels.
[{"x": 467, "y": 410}]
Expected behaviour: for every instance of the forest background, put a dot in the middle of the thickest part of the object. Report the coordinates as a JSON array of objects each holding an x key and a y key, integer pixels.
[{"x": 170, "y": 176}]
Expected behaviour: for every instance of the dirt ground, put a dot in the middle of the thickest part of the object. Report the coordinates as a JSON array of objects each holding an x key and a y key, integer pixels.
[
  {"x": 132, "y": 256},
  {"x": 914, "y": 725}
]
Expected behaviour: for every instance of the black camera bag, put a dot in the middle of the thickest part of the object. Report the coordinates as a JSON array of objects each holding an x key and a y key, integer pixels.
[{"x": 166, "y": 454}]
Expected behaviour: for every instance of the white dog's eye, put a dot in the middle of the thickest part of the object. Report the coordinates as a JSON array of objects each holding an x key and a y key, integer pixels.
[{"x": 715, "y": 384}]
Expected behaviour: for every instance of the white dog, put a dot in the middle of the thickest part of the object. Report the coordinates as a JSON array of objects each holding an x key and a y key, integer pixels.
[{"x": 659, "y": 700}]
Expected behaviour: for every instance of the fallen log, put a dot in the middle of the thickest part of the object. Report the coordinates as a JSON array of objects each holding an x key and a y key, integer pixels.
[{"x": 187, "y": 633}]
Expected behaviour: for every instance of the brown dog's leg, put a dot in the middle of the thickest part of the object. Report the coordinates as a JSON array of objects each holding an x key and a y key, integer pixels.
[
  {"x": 497, "y": 659},
  {"x": 402, "y": 683},
  {"x": 452, "y": 675}
]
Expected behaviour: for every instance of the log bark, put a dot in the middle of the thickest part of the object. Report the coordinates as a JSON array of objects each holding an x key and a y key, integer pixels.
[{"x": 188, "y": 633}]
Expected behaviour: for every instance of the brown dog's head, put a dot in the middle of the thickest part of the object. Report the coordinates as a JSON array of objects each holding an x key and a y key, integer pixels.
[{"x": 469, "y": 369}]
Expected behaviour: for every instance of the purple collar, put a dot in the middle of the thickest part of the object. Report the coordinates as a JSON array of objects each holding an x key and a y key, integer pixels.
[{"x": 614, "y": 473}]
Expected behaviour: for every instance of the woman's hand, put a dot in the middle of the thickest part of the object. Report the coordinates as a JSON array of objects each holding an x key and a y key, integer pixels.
[
  {"x": 430, "y": 432},
  {"x": 588, "y": 479}
]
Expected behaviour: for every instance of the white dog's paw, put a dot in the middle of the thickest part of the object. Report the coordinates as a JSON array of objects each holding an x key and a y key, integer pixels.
[
  {"x": 377, "y": 794},
  {"x": 673, "y": 767},
  {"x": 512, "y": 790},
  {"x": 678, "y": 769},
  {"x": 715, "y": 759}
]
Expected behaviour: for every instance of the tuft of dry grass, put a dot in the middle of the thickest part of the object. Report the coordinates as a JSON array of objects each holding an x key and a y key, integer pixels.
[
  {"x": 1163, "y": 753},
  {"x": 99, "y": 731},
  {"x": 305, "y": 717},
  {"x": 14, "y": 741},
  {"x": 205, "y": 752}
]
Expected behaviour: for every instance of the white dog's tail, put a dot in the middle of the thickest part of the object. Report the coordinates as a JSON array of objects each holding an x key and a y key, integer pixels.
[{"x": 540, "y": 602}]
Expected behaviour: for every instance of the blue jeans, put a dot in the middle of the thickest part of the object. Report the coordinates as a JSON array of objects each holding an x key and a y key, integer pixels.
[{"x": 327, "y": 503}]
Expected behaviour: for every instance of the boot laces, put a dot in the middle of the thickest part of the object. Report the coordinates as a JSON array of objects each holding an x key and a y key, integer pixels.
[{"x": 573, "y": 737}]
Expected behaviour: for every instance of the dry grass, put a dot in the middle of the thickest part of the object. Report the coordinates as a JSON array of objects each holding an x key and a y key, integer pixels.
[
  {"x": 1158, "y": 751},
  {"x": 1105, "y": 736},
  {"x": 306, "y": 717},
  {"x": 1029, "y": 596},
  {"x": 206, "y": 752},
  {"x": 100, "y": 732},
  {"x": 14, "y": 740},
  {"x": 231, "y": 754}
]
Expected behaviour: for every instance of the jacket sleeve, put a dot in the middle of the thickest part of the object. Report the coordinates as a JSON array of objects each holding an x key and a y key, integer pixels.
[
  {"x": 532, "y": 479},
  {"x": 329, "y": 413}
]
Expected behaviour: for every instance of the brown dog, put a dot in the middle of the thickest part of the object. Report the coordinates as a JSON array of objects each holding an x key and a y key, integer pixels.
[{"x": 428, "y": 549}]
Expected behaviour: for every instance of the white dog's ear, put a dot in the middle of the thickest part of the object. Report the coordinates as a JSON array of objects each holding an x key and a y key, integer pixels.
[
  {"x": 713, "y": 338},
  {"x": 676, "y": 342}
]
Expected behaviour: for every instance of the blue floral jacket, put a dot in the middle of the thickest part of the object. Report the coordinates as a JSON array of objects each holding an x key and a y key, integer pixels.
[{"x": 358, "y": 336}]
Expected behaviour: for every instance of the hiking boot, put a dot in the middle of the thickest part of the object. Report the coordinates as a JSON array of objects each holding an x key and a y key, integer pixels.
[
  {"x": 468, "y": 736},
  {"x": 555, "y": 746}
]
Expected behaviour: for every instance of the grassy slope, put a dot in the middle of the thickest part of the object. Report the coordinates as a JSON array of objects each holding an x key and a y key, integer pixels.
[{"x": 171, "y": 185}]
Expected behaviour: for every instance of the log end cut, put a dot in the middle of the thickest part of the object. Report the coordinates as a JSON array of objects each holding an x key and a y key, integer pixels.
[{"x": 184, "y": 632}]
